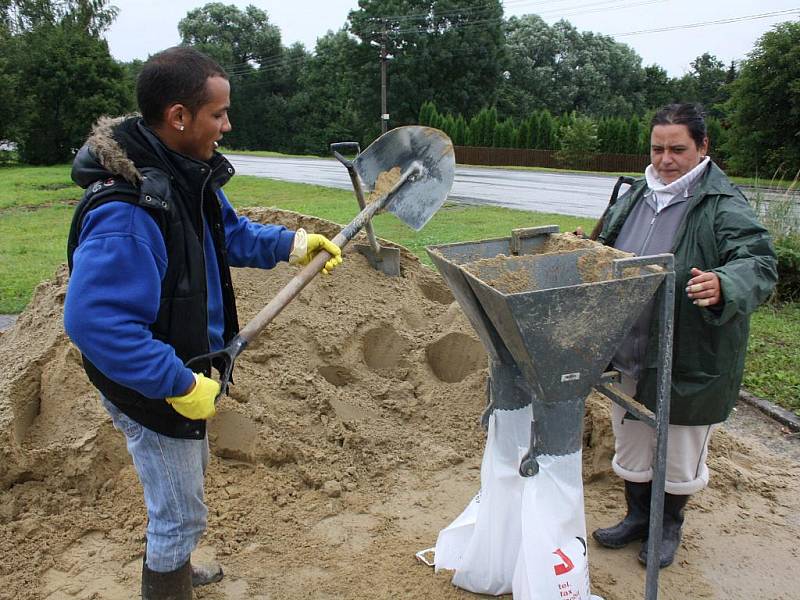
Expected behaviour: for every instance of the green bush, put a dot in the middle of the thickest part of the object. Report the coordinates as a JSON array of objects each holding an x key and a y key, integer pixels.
[
  {"x": 8, "y": 157},
  {"x": 787, "y": 249}
]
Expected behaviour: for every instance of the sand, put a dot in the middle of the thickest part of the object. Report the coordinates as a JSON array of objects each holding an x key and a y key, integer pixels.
[{"x": 350, "y": 439}]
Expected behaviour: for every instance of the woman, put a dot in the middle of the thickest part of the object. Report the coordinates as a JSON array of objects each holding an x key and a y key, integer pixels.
[{"x": 725, "y": 267}]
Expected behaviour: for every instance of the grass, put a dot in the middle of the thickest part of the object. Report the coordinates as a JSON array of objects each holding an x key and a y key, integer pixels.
[
  {"x": 270, "y": 153},
  {"x": 454, "y": 222},
  {"x": 36, "y": 206},
  {"x": 31, "y": 187},
  {"x": 32, "y": 244},
  {"x": 772, "y": 369}
]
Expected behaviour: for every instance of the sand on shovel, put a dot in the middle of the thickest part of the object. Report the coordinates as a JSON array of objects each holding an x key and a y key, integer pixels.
[{"x": 350, "y": 438}]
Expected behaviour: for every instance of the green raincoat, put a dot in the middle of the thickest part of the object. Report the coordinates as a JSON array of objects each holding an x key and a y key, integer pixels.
[{"x": 719, "y": 233}]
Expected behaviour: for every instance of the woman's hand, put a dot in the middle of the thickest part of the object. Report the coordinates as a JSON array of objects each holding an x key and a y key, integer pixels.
[{"x": 704, "y": 288}]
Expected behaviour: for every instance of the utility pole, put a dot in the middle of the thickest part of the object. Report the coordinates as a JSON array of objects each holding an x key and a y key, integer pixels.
[{"x": 384, "y": 113}]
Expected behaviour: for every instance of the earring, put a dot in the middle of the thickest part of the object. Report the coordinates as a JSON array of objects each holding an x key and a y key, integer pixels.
[{"x": 181, "y": 128}]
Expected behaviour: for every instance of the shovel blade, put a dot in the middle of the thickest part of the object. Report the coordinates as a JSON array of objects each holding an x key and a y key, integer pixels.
[
  {"x": 381, "y": 164},
  {"x": 387, "y": 260}
]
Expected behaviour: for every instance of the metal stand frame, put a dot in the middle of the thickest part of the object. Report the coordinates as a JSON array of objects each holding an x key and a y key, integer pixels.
[{"x": 666, "y": 296}]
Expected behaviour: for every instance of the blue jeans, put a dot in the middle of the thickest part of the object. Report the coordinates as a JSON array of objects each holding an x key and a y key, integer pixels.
[{"x": 172, "y": 472}]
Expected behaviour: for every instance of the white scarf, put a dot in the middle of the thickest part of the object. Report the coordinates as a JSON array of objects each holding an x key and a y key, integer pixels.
[{"x": 663, "y": 193}]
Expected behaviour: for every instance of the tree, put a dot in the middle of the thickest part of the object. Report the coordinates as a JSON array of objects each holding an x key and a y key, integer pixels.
[
  {"x": 235, "y": 38},
  {"x": 263, "y": 73},
  {"x": 326, "y": 103},
  {"x": 633, "y": 139},
  {"x": 426, "y": 112},
  {"x": 764, "y": 108},
  {"x": 710, "y": 77},
  {"x": 69, "y": 80},
  {"x": 548, "y": 131},
  {"x": 92, "y": 16},
  {"x": 445, "y": 51},
  {"x": 659, "y": 89},
  {"x": 505, "y": 134},
  {"x": 460, "y": 134},
  {"x": 717, "y": 139},
  {"x": 56, "y": 75},
  {"x": 523, "y": 135},
  {"x": 561, "y": 69},
  {"x": 10, "y": 105},
  {"x": 578, "y": 141}
]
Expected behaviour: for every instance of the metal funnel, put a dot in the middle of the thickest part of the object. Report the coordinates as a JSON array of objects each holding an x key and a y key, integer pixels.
[
  {"x": 507, "y": 388},
  {"x": 552, "y": 306}
]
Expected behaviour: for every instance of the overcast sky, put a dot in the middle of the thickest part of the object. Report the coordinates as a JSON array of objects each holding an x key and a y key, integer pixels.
[{"x": 144, "y": 27}]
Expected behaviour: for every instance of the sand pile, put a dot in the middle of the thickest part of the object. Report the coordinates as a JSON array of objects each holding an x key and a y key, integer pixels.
[{"x": 350, "y": 438}]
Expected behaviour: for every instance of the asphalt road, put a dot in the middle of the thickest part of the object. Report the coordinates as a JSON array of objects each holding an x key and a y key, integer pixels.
[{"x": 560, "y": 193}]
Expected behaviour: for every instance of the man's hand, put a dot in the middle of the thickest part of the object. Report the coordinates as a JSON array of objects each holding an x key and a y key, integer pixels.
[
  {"x": 704, "y": 288},
  {"x": 198, "y": 402},
  {"x": 308, "y": 245}
]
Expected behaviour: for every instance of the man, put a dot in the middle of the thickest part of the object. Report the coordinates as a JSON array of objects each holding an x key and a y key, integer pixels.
[{"x": 149, "y": 251}]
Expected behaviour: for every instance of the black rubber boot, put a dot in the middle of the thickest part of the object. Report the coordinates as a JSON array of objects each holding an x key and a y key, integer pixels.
[
  {"x": 206, "y": 574},
  {"x": 174, "y": 585},
  {"x": 671, "y": 537},
  {"x": 635, "y": 526}
]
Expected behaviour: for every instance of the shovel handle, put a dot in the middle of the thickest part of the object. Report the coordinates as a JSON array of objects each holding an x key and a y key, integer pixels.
[
  {"x": 351, "y": 170},
  {"x": 338, "y": 147},
  {"x": 302, "y": 279}
]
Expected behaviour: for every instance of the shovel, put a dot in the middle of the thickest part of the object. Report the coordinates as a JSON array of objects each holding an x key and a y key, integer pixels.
[
  {"x": 385, "y": 260},
  {"x": 408, "y": 171}
]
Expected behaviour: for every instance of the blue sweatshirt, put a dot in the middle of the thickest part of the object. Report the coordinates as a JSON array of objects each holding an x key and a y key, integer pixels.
[{"x": 114, "y": 291}]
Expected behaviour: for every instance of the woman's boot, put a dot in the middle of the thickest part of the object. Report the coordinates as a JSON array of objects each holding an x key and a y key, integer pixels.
[
  {"x": 635, "y": 526},
  {"x": 671, "y": 537}
]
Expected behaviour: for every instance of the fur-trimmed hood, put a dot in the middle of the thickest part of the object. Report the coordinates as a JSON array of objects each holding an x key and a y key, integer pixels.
[
  {"x": 107, "y": 150},
  {"x": 125, "y": 148},
  {"x": 105, "y": 153}
]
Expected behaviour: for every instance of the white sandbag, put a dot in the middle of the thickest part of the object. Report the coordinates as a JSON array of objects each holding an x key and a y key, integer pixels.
[
  {"x": 553, "y": 559},
  {"x": 520, "y": 535},
  {"x": 482, "y": 544},
  {"x": 455, "y": 538}
]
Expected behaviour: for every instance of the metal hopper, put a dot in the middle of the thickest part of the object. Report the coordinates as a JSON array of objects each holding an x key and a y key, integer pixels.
[{"x": 549, "y": 309}]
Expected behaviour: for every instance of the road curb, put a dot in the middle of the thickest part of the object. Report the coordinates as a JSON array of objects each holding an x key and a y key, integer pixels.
[{"x": 783, "y": 416}]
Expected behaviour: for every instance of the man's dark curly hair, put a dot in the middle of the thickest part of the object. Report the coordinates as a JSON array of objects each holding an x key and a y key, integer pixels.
[{"x": 174, "y": 76}]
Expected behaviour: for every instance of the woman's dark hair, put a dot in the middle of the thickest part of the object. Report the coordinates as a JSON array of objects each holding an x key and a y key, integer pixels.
[
  {"x": 687, "y": 113},
  {"x": 174, "y": 76}
]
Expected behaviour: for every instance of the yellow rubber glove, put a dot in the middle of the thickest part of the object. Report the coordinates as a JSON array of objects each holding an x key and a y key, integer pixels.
[
  {"x": 199, "y": 402},
  {"x": 307, "y": 245}
]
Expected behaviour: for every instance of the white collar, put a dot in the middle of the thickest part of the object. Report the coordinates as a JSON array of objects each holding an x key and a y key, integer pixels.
[{"x": 678, "y": 186}]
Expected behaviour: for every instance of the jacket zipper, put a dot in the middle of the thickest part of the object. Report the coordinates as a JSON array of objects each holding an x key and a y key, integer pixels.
[
  {"x": 648, "y": 236},
  {"x": 203, "y": 247}
]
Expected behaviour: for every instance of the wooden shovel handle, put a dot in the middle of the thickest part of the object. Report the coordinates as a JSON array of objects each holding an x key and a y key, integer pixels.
[{"x": 304, "y": 277}]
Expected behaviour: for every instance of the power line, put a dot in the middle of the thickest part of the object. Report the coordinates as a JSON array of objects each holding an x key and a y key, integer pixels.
[
  {"x": 276, "y": 63},
  {"x": 466, "y": 10},
  {"x": 602, "y": 6},
  {"x": 707, "y": 23}
]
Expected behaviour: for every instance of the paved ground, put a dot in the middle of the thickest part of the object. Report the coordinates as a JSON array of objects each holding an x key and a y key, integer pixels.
[
  {"x": 580, "y": 194},
  {"x": 751, "y": 423},
  {"x": 561, "y": 193},
  {"x": 7, "y": 321}
]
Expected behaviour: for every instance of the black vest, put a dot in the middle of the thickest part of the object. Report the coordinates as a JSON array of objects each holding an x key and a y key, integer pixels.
[{"x": 177, "y": 199}]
